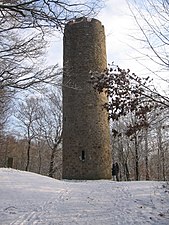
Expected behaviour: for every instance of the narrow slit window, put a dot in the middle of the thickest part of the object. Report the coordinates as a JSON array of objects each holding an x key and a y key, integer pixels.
[
  {"x": 83, "y": 155},
  {"x": 10, "y": 162}
]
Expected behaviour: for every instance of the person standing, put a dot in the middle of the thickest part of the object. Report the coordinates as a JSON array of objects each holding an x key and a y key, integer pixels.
[{"x": 115, "y": 171}]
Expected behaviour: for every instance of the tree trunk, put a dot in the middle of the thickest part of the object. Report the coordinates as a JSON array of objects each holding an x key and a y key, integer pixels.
[
  {"x": 28, "y": 155},
  {"x": 127, "y": 172},
  {"x": 146, "y": 154},
  {"x": 136, "y": 158},
  {"x": 40, "y": 158},
  {"x": 51, "y": 167},
  {"x": 55, "y": 145},
  {"x": 159, "y": 138}
]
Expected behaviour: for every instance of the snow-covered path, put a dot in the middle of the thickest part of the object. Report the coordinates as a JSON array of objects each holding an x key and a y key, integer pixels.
[{"x": 27, "y": 198}]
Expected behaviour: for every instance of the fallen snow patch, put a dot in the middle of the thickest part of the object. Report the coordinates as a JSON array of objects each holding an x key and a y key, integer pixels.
[{"x": 27, "y": 198}]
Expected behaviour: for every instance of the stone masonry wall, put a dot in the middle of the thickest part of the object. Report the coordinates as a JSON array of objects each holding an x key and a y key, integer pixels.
[{"x": 86, "y": 137}]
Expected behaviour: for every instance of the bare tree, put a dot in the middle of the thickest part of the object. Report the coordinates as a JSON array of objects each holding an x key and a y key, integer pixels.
[
  {"x": 5, "y": 100},
  {"x": 146, "y": 149},
  {"x": 40, "y": 118},
  {"x": 26, "y": 116},
  {"x": 25, "y": 28},
  {"x": 120, "y": 147},
  {"x": 130, "y": 95},
  {"x": 41, "y": 13},
  {"x": 50, "y": 128},
  {"x": 152, "y": 19},
  {"x": 19, "y": 58}
]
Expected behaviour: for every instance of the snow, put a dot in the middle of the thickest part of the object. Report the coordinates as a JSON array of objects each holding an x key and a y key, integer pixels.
[{"x": 27, "y": 198}]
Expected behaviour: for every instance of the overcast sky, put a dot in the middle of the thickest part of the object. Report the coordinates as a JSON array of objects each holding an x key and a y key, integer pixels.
[{"x": 121, "y": 47}]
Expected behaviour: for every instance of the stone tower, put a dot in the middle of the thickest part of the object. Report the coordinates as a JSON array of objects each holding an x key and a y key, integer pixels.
[{"x": 86, "y": 137}]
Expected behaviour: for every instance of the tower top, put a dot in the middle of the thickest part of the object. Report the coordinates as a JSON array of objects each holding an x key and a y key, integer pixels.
[{"x": 82, "y": 20}]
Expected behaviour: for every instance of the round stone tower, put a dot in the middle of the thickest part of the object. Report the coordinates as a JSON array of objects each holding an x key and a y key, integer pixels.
[{"x": 86, "y": 135}]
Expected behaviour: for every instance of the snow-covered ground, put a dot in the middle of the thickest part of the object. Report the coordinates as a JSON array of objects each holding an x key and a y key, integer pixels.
[{"x": 28, "y": 198}]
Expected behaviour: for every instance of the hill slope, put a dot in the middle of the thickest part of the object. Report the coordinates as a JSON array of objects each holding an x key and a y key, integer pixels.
[{"x": 28, "y": 198}]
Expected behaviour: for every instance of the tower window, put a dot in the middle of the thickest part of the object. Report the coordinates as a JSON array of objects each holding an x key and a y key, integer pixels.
[
  {"x": 83, "y": 155},
  {"x": 10, "y": 162}
]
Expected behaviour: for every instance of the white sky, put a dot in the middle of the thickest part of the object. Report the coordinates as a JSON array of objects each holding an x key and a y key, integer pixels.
[{"x": 119, "y": 25}]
